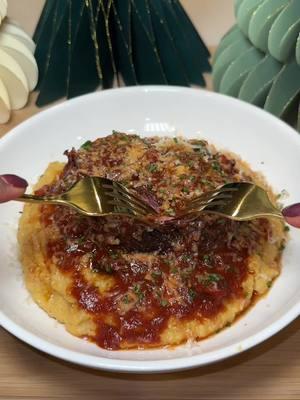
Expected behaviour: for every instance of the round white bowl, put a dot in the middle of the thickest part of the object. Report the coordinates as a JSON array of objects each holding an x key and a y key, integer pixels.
[{"x": 269, "y": 145}]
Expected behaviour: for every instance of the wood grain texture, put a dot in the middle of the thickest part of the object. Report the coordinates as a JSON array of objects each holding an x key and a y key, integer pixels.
[{"x": 270, "y": 371}]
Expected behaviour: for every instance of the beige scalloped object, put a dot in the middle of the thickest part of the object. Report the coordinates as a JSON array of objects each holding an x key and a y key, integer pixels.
[{"x": 18, "y": 67}]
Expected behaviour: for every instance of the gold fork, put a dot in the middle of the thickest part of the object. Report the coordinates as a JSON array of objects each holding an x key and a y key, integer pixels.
[
  {"x": 95, "y": 196},
  {"x": 239, "y": 201}
]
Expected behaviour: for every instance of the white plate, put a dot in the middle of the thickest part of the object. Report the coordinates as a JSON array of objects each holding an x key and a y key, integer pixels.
[{"x": 265, "y": 142}]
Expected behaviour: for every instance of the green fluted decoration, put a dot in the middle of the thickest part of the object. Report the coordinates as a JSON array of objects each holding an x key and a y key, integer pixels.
[
  {"x": 258, "y": 60},
  {"x": 83, "y": 45}
]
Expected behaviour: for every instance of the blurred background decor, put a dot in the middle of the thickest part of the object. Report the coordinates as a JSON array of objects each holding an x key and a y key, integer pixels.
[
  {"x": 83, "y": 45},
  {"x": 258, "y": 60},
  {"x": 18, "y": 68}
]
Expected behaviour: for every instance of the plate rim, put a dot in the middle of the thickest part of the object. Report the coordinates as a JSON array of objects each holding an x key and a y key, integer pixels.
[{"x": 147, "y": 366}]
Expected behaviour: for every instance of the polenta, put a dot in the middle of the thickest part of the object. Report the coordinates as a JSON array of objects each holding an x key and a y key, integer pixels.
[{"x": 122, "y": 284}]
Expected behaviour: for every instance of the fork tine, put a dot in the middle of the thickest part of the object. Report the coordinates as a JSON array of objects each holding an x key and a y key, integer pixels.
[
  {"x": 213, "y": 193},
  {"x": 127, "y": 200},
  {"x": 128, "y": 207},
  {"x": 206, "y": 201},
  {"x": 205, "y": 205},
  {"x": 213, "y": 204},
  {"x": 133, "y": 197},
  {"x": 128, "y": 197}
]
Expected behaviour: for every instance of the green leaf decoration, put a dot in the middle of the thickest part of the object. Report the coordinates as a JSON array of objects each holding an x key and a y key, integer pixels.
[
  {"x": 271, "y": 25},
  {"x": 57, "y": 67},
  {"x": 192, "y": 35},
  {"x": 234, "y": 34},
  {"x": 298, "y": 50},
  {"x": 284, "y": 32},
  {"x": 262, "y": 20},
  {"x": 258, "y": 60},
  {"x": 237, "y": 4},
  {"x": 238, "y": 71},
  {"x": 83, "y": 45},
  {"x": 85, "y": 71},
  {"x": 285, "y": 90},
  {"x": 149, "y": 69},
  {"x": 43, "y": 18},
  {"x": 259, "y": 81},
  {"x": 245, "y": 13},
  {"x": 123, "y": 42},
  {"x": 184, "y": 47},
  {"x": 174, "y": 71},
  {"x": 227, "y": 57}
]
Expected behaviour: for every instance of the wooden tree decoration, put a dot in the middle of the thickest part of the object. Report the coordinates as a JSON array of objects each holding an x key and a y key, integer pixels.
[{"x": 82, "y": 45}]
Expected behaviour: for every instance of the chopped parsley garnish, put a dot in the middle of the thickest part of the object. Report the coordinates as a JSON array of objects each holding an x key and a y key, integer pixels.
[
  {"x": 207, "y": 258},
  {"x": 192, "y": 178},
  {"x": 156, "y": 274},
  {"x": 171, "y": 212},
  {"x": 185, "y": 190},
  {"x": 216, "y": 166},
  {"x": 214, "y": 277},
  {"x": 282, "y": 246},
  {"x": 152, "y": 167},
  {"x": 174, "y": 270},
  {"x": 80, "y": 240},
  {"x": 138, "y": 291},
  {"x": 126, "y": 299},
  {"x": 114, "y": 256},
  {"x": 192, "y": 294},
  {"x": 164, "y": 302},
  {"x": 209, "y": 279},
  {"x": 175, "y": 140},
  {"x": 86, "y": 145},
  {"x": 191, "y": 164},
  {"x": 185, "y": 257}
]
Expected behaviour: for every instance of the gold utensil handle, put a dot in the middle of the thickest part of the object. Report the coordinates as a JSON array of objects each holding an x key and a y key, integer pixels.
[{"x": 31, "y": 198}]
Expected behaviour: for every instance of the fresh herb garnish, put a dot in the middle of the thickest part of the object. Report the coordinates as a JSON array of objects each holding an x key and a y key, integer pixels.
[
  {"x": 207, "y": 280},
  {"x": 207, "y": 258},
  {"x": 214, "y": 277},
  {"x": 192, "y": 294},
  {"x": 156, "y": 274},
  {"x": 286, "y": 228},
  {"x": 138, "y": 291},
  {"x": 152, "y": 167},
  {"x": 86, "y": 145},
  {"x": 164, "y": 302},
  {"x": 282, "y": 246},
  {"x": 185, "y": 257},
  {"x": 175, "y": 140},
  {"x": 126, "y": 299},
  {"x": 185, "y": 190},
  {"x": 216, "y": 166}
]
